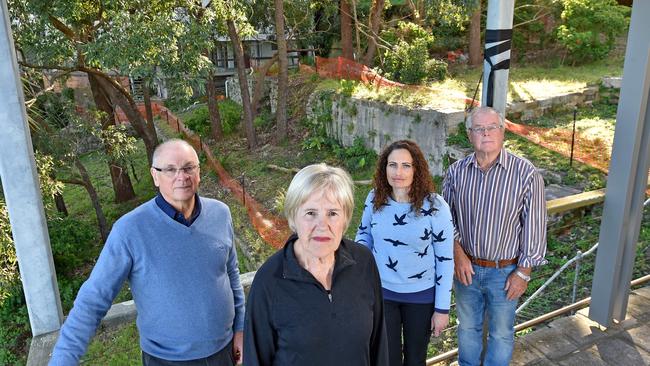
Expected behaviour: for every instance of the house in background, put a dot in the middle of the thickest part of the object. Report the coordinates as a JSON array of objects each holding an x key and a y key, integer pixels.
[{"x": 258, "y": 48}]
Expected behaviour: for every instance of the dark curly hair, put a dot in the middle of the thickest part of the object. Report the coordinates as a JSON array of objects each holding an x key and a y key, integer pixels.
[{"x": 422, "y": 185}]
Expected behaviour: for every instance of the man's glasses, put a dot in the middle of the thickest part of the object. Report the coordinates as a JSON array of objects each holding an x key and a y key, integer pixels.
[
  {"x": 171, "y": 172},
  {"x": 483, "y": 130}
]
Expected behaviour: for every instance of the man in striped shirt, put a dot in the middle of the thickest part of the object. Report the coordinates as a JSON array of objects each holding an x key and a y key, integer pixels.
[{"x": 499, "y": 211}]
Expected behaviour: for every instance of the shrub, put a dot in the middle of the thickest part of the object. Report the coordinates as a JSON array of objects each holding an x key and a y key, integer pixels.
[
  {"x": 590, "y": 28},
  {"x": 230, "y": 115},
  {"x": 14, "y": 325},
  {"x": 8, "y": 260},
  {"x": 436, "y": 69},
  {"x": 73, "y": 243},
  {"x": 199, "y": 121},
  {"x": 264, "y": 119},
  {"x": 178, "y": 104},
  {"x": 354, "y": 157},
  {"x": 408, "y": 60}
]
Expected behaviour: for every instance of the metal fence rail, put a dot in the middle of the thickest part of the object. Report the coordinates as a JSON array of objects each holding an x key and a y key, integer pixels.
[{"x": 577, "y": 260}]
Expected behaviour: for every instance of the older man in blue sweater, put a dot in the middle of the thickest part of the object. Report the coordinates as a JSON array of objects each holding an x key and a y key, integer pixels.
[{"x": 177, "y": 252}]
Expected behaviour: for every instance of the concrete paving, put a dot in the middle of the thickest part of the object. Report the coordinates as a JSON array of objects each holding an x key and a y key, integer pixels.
[{"x": 576, "y": 340}]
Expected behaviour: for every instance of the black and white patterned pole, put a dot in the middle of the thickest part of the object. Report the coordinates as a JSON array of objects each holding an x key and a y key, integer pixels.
[{"x": 498, "y": 43}]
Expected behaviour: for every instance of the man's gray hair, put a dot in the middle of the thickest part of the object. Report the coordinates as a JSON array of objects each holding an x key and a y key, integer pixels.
[
  {"x": 483, "y": 110},
  {"x": 168, "y": 143}
]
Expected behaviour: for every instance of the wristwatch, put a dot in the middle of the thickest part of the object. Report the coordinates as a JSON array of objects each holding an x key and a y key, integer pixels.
[{"x": 523, "y": 276}]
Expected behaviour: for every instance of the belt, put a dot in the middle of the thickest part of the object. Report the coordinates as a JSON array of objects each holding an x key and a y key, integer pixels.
[{"x": 492, "y": 264}]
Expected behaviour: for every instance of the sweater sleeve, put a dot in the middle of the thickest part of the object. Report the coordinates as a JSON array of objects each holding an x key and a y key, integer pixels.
[
  {"x": 378, "y": 340},
  {"x": 364, "y": 233},
  {"x": 232, "y": 267},
  {"x": 93, "y": 300},
  {"x": 444, "y": 269},
  {"x": 259, "y": 335}
]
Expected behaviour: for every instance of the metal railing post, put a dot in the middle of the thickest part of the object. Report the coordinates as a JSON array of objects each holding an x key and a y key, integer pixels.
[{"x": 575, "y": 277}]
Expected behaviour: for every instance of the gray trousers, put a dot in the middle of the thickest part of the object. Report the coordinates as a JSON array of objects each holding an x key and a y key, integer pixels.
[{"x": 221, "y": 358}]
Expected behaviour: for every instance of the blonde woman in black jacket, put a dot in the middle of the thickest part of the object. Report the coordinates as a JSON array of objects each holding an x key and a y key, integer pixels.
[{"x": 318, "y": 301}]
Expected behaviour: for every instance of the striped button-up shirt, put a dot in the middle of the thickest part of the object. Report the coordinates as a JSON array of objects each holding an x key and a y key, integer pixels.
[{"x": 501, "y": 213}]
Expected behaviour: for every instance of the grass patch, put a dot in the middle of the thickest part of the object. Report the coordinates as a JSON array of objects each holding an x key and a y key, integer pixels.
[
  {"x": 114, "y": 347},
  {"x": 410, "y": 96},
  {"x": 579, "y": 175},
  {"x": 536, "y": 82}
]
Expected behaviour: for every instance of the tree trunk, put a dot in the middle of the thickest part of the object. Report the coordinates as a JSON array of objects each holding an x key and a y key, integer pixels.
[
  {"x": 213, "y": 108},
  {"x": 147, "y": 101},
  {"x": 374, "y": 24},
  {"x": 94, "y": 199},
  {"x": 243, "y": 84},
  {"x": 283, "y": 77},
  {"x": 122, "y": 187},
  {"x": 259, "y": 83},
  {"x": 60, "y": 204},
  {"x": 346, "y": 30},
  {"x": 124, "y": 100},
  {"x": 475, "y": 56}
]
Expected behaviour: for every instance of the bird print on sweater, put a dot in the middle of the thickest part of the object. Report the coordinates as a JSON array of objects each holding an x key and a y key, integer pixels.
[
  {"x": 422, "y": 254},
  {"x": 399, "y": 220},
  {"x": 418, "y": 275},
  {"x": 428, "y": 212},
  {"x": 427, "y": 234},
  {"x": 395, "y": 242},
  {"x": 439, "y": 238},
  {"x": 402, "y": 240},
  {"x": 391, "y": 264}
]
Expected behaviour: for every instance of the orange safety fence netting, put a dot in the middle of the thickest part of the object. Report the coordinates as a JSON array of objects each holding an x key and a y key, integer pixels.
[
  {"x": 342, "y": 68},
  {"x": 593, "y": 151},
  {"x": 273, "y": 230}
]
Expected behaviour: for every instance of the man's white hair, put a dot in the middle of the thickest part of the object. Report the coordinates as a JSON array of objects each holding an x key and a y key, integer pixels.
[{"x": 483, "y": 110}]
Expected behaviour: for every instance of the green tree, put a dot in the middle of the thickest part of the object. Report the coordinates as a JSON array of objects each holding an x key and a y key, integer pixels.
[
  {"x": 590, "y": 27},
  {"x": 408, "y": 59},
  {"x": 97, "y": 39}
]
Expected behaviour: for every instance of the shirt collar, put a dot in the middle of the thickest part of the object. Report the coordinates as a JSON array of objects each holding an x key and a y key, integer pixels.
[
  {"x": 502, "y": 159},
  {"x": 175, "y": 215}
]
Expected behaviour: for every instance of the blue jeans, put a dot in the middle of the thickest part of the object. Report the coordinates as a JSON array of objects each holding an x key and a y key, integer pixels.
[{"x": 485, "y": 295}]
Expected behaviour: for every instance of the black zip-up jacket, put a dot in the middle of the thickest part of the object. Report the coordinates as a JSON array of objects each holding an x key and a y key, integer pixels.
[{"x": 291, "y": 320}]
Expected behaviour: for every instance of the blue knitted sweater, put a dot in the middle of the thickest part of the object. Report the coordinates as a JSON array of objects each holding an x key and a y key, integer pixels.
[
  {"x": 184, "y": 281},
  {"x": 413, "y": 252}
]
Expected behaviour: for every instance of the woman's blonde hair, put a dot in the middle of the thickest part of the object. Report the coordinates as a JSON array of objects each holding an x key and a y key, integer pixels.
[{"x": 334, "y": 182}]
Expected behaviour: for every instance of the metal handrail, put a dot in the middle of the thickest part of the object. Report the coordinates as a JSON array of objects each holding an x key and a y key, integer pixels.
[
  {"x": 577, "y": 259},
  {"x": 533, "y": 322},
  {"x": 542, "y": 318}
]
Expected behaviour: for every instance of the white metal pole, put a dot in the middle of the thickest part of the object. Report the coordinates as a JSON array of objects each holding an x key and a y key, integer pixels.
[
  {"x": 22, "y": 193},
  {"x": 627, "y": 178},
  {"x": 496, "y": 64}
]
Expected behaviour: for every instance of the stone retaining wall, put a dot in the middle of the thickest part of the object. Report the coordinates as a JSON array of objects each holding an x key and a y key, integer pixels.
[
  {"x": 608, "y": 91},
  {"x": 269, "y": 94},
  {"x": 379, "y": 124}
]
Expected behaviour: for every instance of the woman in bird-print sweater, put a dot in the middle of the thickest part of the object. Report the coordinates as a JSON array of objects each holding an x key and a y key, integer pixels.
[{"x": 410, "y": 232}]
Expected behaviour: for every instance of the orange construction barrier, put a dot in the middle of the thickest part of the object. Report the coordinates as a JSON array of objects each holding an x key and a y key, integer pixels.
[
  {"x": 274, "y": 230},
  {"x": 342, "y": 68}
]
